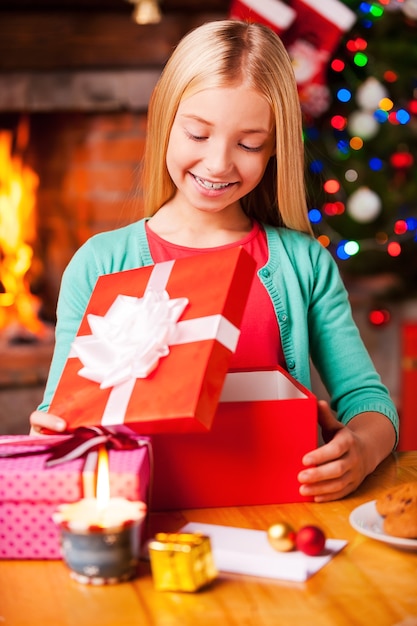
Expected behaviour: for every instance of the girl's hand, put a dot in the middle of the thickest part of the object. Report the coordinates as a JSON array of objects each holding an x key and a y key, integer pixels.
[
  {"x": 39, "y": 420},
  {"x": 340, "y": 464}
]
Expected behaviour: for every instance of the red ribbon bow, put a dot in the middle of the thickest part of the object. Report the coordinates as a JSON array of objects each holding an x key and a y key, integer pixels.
[{"x": 78, "y": 444}]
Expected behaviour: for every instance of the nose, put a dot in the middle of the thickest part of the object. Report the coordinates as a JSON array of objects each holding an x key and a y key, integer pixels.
[{"x": 218, "y": 160}]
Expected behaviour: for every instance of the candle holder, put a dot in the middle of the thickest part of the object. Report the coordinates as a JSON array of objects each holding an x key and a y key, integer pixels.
[{"x": 101, "y": 546}]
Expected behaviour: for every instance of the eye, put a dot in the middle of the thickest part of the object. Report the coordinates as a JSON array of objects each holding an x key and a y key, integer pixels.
[
  {"x": 194, "y": 137},
  {"x": 251, "y": 148}
]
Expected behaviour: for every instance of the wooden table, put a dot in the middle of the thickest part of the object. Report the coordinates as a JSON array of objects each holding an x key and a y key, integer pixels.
[{"x": 369, "y": 582}]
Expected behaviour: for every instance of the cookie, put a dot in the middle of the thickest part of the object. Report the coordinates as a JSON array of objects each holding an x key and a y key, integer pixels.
[
  {"x": 398, "y": 507},
  {"x": 403, "y": 523},
  {"x": 393, "y": 499}
]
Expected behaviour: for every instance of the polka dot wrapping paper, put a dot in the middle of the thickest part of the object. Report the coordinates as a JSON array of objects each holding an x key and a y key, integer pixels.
[{"x": 30, "y": 493}]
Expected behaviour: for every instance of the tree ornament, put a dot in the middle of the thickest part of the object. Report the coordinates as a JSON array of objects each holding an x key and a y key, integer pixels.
[
  {"x": 363, "y": 124},
  {"x": 364, "y": 205},
  {"x": 370, "y": 94},
  {"x": 281, "y": 536},
  {"x": 310, "y": 540},
  {"x": 410, "y": 9}
]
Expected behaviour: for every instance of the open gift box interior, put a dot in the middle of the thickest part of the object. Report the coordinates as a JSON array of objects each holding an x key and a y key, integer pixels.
[{"x": 264, "y": 424}]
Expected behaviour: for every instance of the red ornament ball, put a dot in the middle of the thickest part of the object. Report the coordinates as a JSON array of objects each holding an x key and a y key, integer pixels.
[{"x": 310, "y": 540}]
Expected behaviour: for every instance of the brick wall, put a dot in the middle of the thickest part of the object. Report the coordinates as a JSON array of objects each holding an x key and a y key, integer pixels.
[{"x": 88, "y": 166}]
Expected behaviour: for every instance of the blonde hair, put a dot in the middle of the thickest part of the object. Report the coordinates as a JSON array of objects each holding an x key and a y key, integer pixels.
[{"x": 219, "y": 54}]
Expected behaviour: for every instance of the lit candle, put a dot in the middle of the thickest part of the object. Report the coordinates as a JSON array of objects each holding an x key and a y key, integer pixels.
[
  {"x": 103, "y": 479},
  {"x": 100, "y": 537}
]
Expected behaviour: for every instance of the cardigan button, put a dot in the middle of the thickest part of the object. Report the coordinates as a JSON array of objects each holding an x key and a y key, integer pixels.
[
  {"x": 265, "y": 272},
  {"x": 283, "y": 317},
  {"x": 291, "y": 364}
]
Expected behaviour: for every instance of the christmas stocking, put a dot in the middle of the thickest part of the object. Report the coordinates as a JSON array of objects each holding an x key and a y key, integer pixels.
[
  {"x": 274, "y": 13},
  {"x": 310, "y": 41}
]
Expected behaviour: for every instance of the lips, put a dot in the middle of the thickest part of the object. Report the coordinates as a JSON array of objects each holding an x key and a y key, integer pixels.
[{"x": 207, "y": 184}]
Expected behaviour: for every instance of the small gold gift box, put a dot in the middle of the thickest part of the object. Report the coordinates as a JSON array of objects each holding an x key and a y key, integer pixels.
[{"x": 181, "y": 561}]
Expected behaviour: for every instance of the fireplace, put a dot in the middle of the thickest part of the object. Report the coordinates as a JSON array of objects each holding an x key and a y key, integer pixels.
[
  {"x": 87, "y": 168},
  {"x": 86, "y": 165}
]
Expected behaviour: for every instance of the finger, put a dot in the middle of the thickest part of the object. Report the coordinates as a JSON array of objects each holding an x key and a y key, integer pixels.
[
  {"x": 330, "y": 489},
  {"x": 333, "y": 491},
  {"x": 327, "y": 421},
  {"x": 39, "y": 420},
  {"x": 334, "y": 469},
  {"x": 326, "y": 416}
]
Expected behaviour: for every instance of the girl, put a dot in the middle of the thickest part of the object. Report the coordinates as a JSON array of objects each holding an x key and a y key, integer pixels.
[{"x": 224, "y": 167}]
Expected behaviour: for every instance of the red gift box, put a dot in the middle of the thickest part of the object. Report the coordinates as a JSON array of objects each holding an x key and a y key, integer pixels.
[
  {"x": 408, "y": 386},
  {"x": 31, "y": 492},
  {"x": 265, "y": 423},
  {"x": 170, "y": 379}
]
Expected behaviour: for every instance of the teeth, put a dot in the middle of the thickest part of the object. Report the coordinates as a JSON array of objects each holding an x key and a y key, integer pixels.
[{"x": 208, "y": 185}]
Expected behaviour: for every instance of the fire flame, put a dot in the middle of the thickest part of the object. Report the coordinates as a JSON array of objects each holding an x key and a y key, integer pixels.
[
  {"x": 18, "y": 187},
  {"x": 103, "y": 478}
]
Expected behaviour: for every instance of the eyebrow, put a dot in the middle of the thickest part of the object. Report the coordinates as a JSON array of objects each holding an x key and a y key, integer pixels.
[{"x": 248, "y": 131}]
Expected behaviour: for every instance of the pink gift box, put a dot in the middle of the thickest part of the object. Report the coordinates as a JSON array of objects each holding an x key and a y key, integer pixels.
[{"x": 30, "y": 493}]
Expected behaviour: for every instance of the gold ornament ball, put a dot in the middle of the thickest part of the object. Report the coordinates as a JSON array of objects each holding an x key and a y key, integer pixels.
[{"x": 281, "y": 536}]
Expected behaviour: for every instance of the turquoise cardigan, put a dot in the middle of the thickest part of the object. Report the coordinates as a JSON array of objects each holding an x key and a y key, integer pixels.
[{"x": 308, "y": 295}]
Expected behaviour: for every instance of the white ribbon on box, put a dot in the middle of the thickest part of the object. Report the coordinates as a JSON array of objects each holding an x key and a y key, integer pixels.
[{"x": 129, "y": 340}]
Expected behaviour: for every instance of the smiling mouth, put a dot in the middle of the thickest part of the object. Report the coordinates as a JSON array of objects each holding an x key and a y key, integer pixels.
[{"x": 209, "y": 185}]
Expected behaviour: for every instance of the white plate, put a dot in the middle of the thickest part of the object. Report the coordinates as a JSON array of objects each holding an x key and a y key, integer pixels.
[{"x": 367, "y": 521}]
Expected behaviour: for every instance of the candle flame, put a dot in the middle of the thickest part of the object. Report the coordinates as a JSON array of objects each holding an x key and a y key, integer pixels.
[{"x": 103, "y": 478}]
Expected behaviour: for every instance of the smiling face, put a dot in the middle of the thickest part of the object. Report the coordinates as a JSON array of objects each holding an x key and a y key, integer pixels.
[{"x": 219, "y": 145}]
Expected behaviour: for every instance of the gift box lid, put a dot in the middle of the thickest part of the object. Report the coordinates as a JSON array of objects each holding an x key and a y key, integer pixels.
[{"x": 155, "y": 344}]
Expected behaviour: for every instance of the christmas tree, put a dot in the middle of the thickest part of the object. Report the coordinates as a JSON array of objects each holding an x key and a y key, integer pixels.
[
  {"x": 356, "y": 69},
  {"x": 362, "y": 151}
]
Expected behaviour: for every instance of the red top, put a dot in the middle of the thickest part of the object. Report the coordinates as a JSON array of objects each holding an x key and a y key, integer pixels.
[{"x": 259, "y": 343}]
